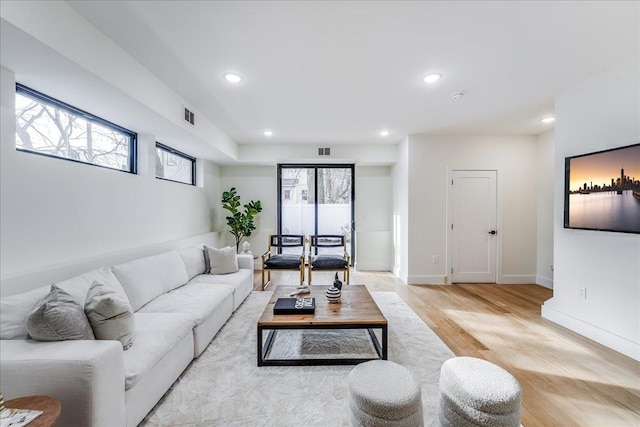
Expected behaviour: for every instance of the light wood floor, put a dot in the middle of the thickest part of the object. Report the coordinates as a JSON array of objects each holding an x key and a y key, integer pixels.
[{"x": 567, "y": 380}]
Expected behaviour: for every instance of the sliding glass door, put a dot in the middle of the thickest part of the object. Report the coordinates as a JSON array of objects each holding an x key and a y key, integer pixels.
[{"x": 317, "y": 199}]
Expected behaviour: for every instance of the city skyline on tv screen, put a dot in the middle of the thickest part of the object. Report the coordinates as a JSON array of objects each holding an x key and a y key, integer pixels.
[{"x": 603, "y": 190}]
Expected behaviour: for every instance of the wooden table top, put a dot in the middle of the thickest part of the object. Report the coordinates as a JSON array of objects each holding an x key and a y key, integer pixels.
[
  {"x": 49, "y": 406},
  {"x": 356, "y": 308}
]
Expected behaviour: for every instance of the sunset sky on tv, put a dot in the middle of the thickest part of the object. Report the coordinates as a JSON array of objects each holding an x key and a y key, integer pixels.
[{"x": 600, "y": 168}]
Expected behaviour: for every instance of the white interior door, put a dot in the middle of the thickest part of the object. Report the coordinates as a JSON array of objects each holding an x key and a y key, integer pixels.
[{"x": 473, "y": 226}]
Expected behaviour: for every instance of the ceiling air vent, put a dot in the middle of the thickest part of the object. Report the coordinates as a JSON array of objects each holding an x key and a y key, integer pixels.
[
  {"x": 188, "y": 116},
  {"x": 324, "y": 151}
]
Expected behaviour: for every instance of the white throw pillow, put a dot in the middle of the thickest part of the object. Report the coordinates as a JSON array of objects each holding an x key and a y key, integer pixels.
[
  {"x": 110, "y": 315},
  {"x": 223, "y": 261},
  {"x": 193, "y": 259}
]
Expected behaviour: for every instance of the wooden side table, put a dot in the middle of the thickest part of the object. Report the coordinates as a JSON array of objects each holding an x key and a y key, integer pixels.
[{"x": 49, "y": 406}]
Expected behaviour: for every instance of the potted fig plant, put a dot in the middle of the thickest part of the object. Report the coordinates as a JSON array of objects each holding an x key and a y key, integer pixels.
[{"x": 240, "y": 221}]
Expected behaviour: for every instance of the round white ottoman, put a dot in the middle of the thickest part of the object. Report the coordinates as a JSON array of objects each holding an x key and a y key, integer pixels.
[
  {"x": 474, "y": 392},
  {"x": 384, "y": 394}
]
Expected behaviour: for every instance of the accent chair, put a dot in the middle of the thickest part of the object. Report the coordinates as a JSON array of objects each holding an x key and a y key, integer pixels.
[
  {"x": 328, "y": 252},
  {"x": 285, "y": 252}
]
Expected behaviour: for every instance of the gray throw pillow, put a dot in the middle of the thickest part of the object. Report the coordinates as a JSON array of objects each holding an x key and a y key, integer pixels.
[
  {"x": 207, "y": 261},
  {"x": 223, "y": 261},
  {"x": 110, "y": 315},
  {"x": 57, "y": 317}
]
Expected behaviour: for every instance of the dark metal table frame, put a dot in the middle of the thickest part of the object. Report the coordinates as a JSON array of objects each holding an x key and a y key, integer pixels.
[{"x": 381, "y": 348}]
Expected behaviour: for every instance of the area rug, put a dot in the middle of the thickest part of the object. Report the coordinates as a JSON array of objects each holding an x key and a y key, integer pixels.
[
  {"x": 224, "y": 386},
  {"x": 323, "y": 344}
]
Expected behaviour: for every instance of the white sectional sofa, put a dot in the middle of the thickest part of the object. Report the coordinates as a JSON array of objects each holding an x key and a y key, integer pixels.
[{"x": 178, "y": 310}]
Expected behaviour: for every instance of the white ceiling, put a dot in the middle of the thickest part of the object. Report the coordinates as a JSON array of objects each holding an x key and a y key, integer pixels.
[{"x": 339, "y": 72}]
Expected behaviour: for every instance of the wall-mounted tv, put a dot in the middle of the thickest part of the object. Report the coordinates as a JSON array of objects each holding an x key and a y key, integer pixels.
[{"x": 602, "y": 190}]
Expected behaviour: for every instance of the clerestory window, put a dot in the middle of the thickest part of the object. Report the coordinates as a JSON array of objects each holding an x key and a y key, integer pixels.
[
  {"x": 50, "y": 127},
  {"x": 173, "y": 165}
]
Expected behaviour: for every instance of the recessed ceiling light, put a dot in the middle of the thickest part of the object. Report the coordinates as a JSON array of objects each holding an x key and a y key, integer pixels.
[
  {"x": 550, "y": 119},
  {"x": 267, "y": 132},
  {"x": 233, "y": 78},
  {"x": 432, "y": 78},
  {"x": 384, "y": 132}
]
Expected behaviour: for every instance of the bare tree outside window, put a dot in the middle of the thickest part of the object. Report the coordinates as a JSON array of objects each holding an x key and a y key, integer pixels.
[
  {"x": 323, "y": 207},
  {"x": 45, "y": 128},
  {"x": 334, "y": 186}
]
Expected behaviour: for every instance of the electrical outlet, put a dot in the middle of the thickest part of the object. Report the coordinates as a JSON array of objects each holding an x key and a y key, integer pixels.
[
  {"x": 434, "y": 259},
  {"x": 583, "y": 293}
]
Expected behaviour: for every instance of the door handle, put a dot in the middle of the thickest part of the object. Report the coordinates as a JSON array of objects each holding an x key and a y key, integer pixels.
[{"x": 493, "y": 232}]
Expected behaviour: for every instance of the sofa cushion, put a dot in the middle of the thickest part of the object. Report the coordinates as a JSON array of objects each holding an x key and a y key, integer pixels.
[
  {"x": 57, "y": 317},
  {"x": 156, "y": 335},
  {"x": 241, "y": 282},
  {"x": 146, "y": 278},
  {"x": 195, "y": 299},
  {"x": 14, "y": 310},
  {"x": 234, "y": 280},
  {"x": 193, "y": 259},
  {"x": 222, "y": 261},
  {"x": 78, "y": 286},
  {"x": 110, "y": 315}
]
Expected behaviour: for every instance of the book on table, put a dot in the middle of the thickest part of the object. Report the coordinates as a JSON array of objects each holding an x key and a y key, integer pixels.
[
  {"x": 305, "y": 305},
  {"x": 17, "y": 417}
]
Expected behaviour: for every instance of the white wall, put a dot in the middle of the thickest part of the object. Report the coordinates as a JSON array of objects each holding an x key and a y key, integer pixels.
[
  {"x": 374, "y": 218},
  {"x": 545, "y": 180},
  {"x": 252, "y": 183},
  {"x": 400, "y": 219},
  {"x": 431, "y": 158},
  {"x": 56, "y": 212},
  {"x": 211, "y": 182},
  {"x": 360, "y": 154},
  {"x": 600, "y": 113},
  {"x": 71, "y": 60}
]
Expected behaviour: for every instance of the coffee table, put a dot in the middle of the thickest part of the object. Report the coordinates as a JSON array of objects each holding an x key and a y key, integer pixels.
[{"x": 356, "y": 311}]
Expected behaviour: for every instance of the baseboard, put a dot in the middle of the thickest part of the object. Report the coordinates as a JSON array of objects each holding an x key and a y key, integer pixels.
[
  {"x": 606, "y": 338},
  {"x": 426, "y": 280},
  {"x": 373, "y": 267},
  {"x": 544, "y": 281},
  {"x": 518, "y": 279}
]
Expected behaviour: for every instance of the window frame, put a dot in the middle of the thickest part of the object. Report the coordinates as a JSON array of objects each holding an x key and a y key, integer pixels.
[
  {"x": 182, "y": 155},
  {"x": 56, "y": 103},
  {"x": 316, "y": 167}
]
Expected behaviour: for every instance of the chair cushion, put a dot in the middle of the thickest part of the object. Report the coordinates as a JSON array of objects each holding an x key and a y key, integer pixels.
[
  {"x": 283, "y": 261},
  {"x": 328, "y": 262}
]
